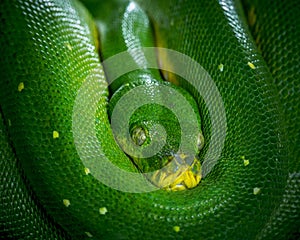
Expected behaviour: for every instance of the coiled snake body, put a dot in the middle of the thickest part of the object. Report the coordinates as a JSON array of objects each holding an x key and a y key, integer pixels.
[{"x": 54, "y": 93}]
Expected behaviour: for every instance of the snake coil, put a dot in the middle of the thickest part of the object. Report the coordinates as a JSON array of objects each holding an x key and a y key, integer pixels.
[{"x": 55, "y": 112}]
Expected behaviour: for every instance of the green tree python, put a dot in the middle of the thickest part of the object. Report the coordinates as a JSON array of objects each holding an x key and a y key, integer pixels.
[{"x": 71, "y": 72}]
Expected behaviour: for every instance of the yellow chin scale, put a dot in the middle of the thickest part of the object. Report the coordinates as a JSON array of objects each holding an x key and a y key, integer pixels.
[{"x": 185, "y": 177}]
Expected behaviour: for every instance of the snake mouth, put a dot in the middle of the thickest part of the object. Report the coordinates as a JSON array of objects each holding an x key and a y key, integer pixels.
[{"x": 181, "y": 173}]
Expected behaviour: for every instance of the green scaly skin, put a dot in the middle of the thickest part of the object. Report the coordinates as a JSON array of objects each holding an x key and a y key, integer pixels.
[
  {"x": 128, "y": 28},
  {"x": 51, "y": 47}
]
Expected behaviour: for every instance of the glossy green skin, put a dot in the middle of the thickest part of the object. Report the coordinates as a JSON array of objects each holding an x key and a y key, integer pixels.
[
  {"x": 129, "y": 29},
  {"x": 223, "y": 206}
]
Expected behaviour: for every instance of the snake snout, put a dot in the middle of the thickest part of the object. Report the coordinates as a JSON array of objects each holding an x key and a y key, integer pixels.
[{"x": 182, "y": 172}]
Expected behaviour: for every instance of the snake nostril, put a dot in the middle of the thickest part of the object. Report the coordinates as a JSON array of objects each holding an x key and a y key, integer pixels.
[{"x": 138, "y": 136}]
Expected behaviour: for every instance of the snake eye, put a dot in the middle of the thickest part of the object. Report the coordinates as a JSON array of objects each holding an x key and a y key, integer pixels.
[
  {"x": 200, "y": 141},
  {"x": 138, "y": 136}
]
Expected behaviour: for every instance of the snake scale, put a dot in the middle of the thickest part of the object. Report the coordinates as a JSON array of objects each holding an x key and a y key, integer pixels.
[{"x": 55, "y": 91}]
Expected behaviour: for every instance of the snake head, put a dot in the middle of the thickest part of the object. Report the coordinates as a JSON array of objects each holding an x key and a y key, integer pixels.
[{"x": 163, "y": 142}]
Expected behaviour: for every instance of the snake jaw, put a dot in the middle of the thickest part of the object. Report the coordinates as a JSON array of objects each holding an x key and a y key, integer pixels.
[{"x": 178, "y": 174}]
